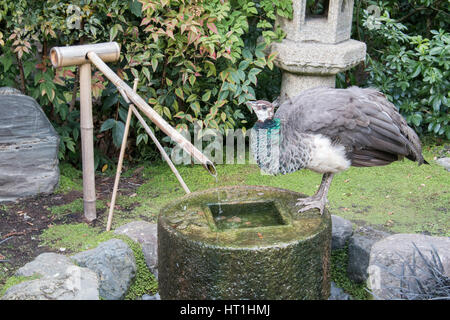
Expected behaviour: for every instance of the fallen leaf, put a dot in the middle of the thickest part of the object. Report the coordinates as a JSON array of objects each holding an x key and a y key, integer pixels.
[{"x": 260, "y": 235}]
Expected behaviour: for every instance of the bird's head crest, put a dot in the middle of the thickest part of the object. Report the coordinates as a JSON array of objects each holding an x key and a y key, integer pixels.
[{"x": 263, "y": 109}]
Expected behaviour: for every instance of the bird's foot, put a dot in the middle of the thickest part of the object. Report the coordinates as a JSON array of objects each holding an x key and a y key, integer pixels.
[{"x": 313, "y": 202}]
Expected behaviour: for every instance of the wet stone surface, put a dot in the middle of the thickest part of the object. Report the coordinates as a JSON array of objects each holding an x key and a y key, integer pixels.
[{"x": 277, "y": 255}]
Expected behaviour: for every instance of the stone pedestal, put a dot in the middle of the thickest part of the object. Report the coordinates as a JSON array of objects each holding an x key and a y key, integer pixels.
[
  {"x": 317, "y": 47},
  {"x": 212, "y": 251}
]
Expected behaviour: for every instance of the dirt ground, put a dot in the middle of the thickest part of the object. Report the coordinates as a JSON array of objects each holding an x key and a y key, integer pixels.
[{"x": 24, "y": 220}]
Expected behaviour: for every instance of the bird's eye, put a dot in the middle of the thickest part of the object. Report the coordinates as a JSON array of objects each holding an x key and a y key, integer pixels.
[{"x": 264, "y": 108}]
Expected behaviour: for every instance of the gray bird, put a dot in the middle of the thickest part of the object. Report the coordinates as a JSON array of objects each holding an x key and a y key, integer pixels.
[{"x": 327, "y": 130}]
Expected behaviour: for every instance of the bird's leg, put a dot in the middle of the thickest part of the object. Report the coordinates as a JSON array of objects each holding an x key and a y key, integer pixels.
[{"x": 319, "y": 199}]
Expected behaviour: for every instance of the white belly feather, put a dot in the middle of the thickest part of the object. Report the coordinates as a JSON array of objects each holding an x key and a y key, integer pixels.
[{"x": 326, "y": 157}]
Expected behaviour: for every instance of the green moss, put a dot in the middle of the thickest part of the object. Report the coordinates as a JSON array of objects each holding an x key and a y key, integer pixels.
[
  {"x": 69, "y": 179},
  {"x": 81, "y": 237},
  {"x": 75, "y": 206},
  {"x": 14, "y": 280},
  {"x": 339, "y": 261},
  {"x": 144, "y": 282}
]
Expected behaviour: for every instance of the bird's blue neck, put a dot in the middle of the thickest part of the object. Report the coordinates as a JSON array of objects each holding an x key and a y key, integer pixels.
[{"x": 269, "y": 124}]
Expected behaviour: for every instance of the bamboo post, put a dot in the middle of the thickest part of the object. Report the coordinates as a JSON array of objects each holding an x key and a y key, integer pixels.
[
  {"x": 87, "y": 142},
  {"x": 120, "y": 162},
  {"x": 76, "y": 56}
]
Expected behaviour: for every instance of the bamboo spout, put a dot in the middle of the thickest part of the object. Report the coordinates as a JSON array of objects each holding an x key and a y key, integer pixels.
[{"x": 152, "y": 114}]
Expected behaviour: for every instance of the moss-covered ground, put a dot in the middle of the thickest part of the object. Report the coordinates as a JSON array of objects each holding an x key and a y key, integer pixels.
[{"x": 401, "y": 198}]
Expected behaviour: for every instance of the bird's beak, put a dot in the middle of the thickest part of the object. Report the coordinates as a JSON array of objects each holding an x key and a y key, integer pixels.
[{"x": 250, "y": 104}]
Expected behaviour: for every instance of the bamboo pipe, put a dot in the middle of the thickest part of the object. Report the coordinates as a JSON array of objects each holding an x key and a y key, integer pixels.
[
  {"x": 87, "y": 142},
  {"x": 158, "y": 145},
  {"x": 76, "y": 55},
  {"x": 152, "y": 114}
]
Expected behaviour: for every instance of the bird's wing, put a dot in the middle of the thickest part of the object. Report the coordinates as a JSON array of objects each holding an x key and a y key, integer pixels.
[{"x": 363, "y": 120}]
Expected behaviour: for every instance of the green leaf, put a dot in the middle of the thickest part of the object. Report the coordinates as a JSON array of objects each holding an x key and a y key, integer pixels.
[
  {"x": 247, "y": 54},
  {"x": 108, "y": 124},
  {"x": 191, "y": 98},
  {"x": 206, "y": 96},
  {"x": 179, "y": 93},
  {"x": 167, "y": 113},
  {"x": 196, "y": 108},
  {"x": 154, "y": 64},
  {"x": 7, "y": 61},
  {"x": 135, "y": 7},
  {"x": 192, "y": 79},
  {"x": 243, "y": 65},
  {"x": 417, "y": 71},
  {"x": 117, "y": 133}
]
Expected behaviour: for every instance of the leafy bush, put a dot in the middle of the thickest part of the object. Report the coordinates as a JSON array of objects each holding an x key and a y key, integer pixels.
[
  {"x": 195, "y": 61},
  {"x": 199, "y": 61},
  {"x": 407, "y": 59}
]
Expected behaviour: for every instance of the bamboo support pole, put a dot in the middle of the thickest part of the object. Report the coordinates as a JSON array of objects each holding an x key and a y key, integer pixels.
[
  {"x": 161, "y": 150},
  {"x": 87, "y": 142},
  {"x": 152, "y": 114},
  {"x": 120, "y": 162},
  {"x": 158, "y": 145}
]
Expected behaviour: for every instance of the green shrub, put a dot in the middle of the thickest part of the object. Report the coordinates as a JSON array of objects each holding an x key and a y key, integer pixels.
[
  {"x": 196, "y": 61},
  {"x": 199, "y": 61},
  {"x": 407, "y": 59}
]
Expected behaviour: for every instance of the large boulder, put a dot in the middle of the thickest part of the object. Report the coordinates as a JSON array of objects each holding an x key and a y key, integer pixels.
[
  {"x": 28, "y": 148},
  {"x": 146, "y": 234},
  {"x": 359, "y": 248},
  {"x": 114, "y": 263},
  {"x": 341, "y": 231},
  {"x": 401, "y": 261},
  {"x": 58, "y": 279}
]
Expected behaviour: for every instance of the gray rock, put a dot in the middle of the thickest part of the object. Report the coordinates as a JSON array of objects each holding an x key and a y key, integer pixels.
[
  {"x": 114, "y": 263},
  {"x": 8, "y": 90},
  {"x": 149, "y": 297},
  {"x": 46, "y": 264},
  {"x": 337, "y": 293},
  {"x": 146, "y": 234},
  {"x": 359, "y": 248},
  {"x": 341, "y": 232},
  {"x": 445, "y": 162},
  {"x": 389, "y": 259},
  {"x": 28, "y": 148},
  {"x": 59, "y": 279}
]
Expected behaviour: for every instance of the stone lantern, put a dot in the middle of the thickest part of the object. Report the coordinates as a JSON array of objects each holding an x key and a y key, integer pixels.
[{"x": 317, "y": 46}]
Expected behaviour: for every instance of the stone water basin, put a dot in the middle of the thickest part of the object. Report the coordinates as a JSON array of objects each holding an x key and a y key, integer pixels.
[{"x": 243, "y": 242}]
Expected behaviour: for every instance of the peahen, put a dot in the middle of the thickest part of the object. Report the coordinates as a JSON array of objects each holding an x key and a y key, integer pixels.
[{"x": 328, "y": 130}]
